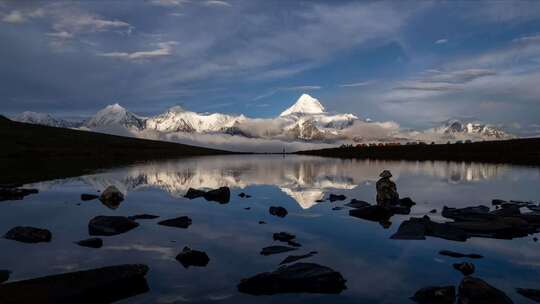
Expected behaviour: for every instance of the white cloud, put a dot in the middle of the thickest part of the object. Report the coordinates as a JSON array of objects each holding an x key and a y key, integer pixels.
[
  {"x": 60, "y": 35},
  {"x": 169, "y": 3},
  {"x": 217, "y": 3},
  {"x": 441, "y": 41},
  {"x": 293, "y": 88},
  {"x": 165, "y": 49},
  {"x": 356, "y": 84}
]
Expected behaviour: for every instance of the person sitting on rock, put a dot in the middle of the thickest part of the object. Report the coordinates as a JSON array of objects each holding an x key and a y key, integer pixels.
[{"x": 387, "y": 194}]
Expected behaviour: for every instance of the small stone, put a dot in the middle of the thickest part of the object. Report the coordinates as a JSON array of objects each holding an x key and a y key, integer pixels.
[
  {"x": 28, "y": 234},
  {"x": 465, "y": 268},
  {"x": 278, "y": 211},
  {"x": 294, "y": 258},
  {"x": 88, "y": 197},
  {"x": 242, "y": 194},
  {"x": 194, "y": 193},
  {"x": 247, "y": 208},
  {"x": 435, "y": 295},
  {"x": 143, "y": 216},
  {"x": 179, "y": 222},
  {"x": 475, "y": 290},
  {"x": 190, "y": 257},
  {"x": 111, "y": 197},
  {"x": 110, "y": 225},
  {"x": 15, "y": 194},
  {"x": 262, "y": 222},
  {"x": 336, "y": 197},
  {"x": 354, "y": 203},
  {"x": 221, "y": 195},
  {"x": 91, "y": 243},
  {"x": 275, "y": 250},
  {"x": 293, "y": 243},
  {"x": 454, "y": 254},
  {"x": 433, "y": 211},
  {"x": 283, "y": 236}
]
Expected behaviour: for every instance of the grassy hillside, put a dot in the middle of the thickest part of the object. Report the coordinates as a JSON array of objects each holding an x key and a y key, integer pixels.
[
  {"x": 32, "y": 152},
  {"x": 516, "y": 151}
]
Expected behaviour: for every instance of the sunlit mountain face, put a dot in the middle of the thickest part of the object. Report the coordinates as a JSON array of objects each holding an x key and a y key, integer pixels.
[{"x": 306, "y": 180}]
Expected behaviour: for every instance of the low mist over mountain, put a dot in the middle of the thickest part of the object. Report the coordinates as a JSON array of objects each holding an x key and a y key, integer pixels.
[{"x": 306, "y": 124}]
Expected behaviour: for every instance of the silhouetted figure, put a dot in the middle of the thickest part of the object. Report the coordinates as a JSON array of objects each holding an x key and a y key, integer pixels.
[{"x": 387, "y": 194}]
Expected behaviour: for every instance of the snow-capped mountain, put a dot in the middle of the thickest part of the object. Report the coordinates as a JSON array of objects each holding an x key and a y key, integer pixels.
[
  {"x": 304, "y": 105},
  {"x": 115, "y": 115},
  {"x": 458, "y": 127},
  {"x": 44, "y": 119},
  {"x": 176, "y": 119}
]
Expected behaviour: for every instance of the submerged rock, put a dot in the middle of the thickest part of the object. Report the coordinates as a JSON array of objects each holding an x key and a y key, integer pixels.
[
  {"x": 475, "y": 290},
  {"x": 336, "y": 197},
  {"x": 102, "y": 285},
  {"x": 92, "y": 243},
  {"x": 412, "y": 229},
  {"x": 354, "y": 203},
  {"x": 435, "y": 295},
  {"x": 386, "y": 190},
  {"x": 278, "y": 211},
  {"x": 110, "y": 225},
  {"x": 4, "y": 275},
  {"x": 143, "y": 216},
  {"x": 283, "y": 236},
  {"x": 27, "y": 234},
  {"x": 467, "y": 213},
  {"x": 88, "y": 197},
  {"x": 465, "y": 268},
  {"x": 242, "y": 194},
  {"x": 337, "y": 208},
  {"x": 221, "y": 195},
  {"x": 111, "y": 197},
  {"x": 372, "y": 213},
  {"x": 454, "y": 254},
  {"x": 262, "y": 222},
  {"x": 293, "y": 243},
  {"x": 15, "y": 194},
  {"x": 296, "y": 278},
  {"x": 531, "y": 294},
  {"x": 419, "y": 228},
  {"x": 276, "y": 249},
  {"x": 179, "y": 222},
  {"x": 294, "y": 258},
  {"x": 190, "y": 257}
]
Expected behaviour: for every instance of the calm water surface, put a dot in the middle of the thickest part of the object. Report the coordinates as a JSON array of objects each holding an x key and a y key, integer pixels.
[{"x": 377, "y": 269}]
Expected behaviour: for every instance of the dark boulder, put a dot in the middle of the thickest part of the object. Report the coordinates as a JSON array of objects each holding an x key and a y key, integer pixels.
[
  {"x": 283, "y": 236},
  {"x": 28, "y": 234},
  {"x": 465, "y": 268},
  {"x": 15, "y": 194},
  {"x": 435, "y": 295},
  {"x": 531, "y": 294},
  {"x": 111, "y": 197},
  {"x": 278, "y": 211},
  {"x": 294, "y": 258},
  {"x": 179, "y": 222},
  {"x": 454, "y": 254},
  {"x": 336, "y": 197},
  {"x": 143, "y": 216},
  {"x": 190, "y": 257},
  {"x": 221, "y": 195},
  {"x": 406, "y": 202},
  {"x": 372, "y": 213},
  {"x": 412, "y": 229},
  {"x": 418, "y": 228},
  {"x": 262, "y": 222},
  {"x": 102, "y": 285},
  {"x": 354, "y": 203},
  {"x": 474, "y": 213},
  {"x": 276, "y": 249},
  {"x": 194, "y": 193},
  {"x": 242, "y": 195},
  {"x": 88, "y": 197},
  {"x": 110, "y": 225},
  {"x": 296, "y": 278},
  {"x": 497, "y": 202},
  {"x": 477, "y": 291},
  {"x": 4, "y": 275},
  {"x": 91, "y": 243}
]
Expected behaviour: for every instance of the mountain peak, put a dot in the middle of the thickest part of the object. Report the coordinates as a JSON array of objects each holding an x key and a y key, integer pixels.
[
  {"x": 305, "y": 105},
  {"x": 116, "y": 107}
]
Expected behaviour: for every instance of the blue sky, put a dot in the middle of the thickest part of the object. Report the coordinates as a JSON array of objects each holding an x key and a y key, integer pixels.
[{"x": 413, "y": 62}]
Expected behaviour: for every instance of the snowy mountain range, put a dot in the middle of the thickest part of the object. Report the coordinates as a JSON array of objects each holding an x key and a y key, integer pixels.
[{"x": 305, "y": 121}]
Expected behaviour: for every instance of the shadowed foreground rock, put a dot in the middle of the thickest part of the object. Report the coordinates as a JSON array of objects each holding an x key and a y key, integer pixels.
[
  {"x": 190, "y": 257},
  {"x": 28, "y": 234},
  {"x": 221, "y": 195},
  {"x": 476, "y": 291},
  {"x": 297, "y": 278},
  {"x": 4, "y": 275},
  {"x": 435, "y": 295},
  {"x": 532, "y": 294},
  {"x": 111, "y": 197},
  {"x": 102, "y": 285},
  {"x": 110, "y": 225},
  {"x": 179, "y": 222},
  {"x": 15, "y": 194}
]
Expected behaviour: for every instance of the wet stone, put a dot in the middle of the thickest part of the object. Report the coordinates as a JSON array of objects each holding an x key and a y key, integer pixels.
[
  {"x": 110, "y": 225},
  {"x": 336, "y": 197},
  {"x": 111, "y": 197},
  {"x": 354, "y": 203},
  {"x": 465, "y": 268},
  {"x": 296, "y": 278},
  {"x": 283, "y": 236},
  {"x": 293, "y": 243},
  {"x": 190, "y": 257},
  {"x": 276, "y": 250},
  {"x": 143, "y": 216},
  {"x": 27, "y": 234},
  {"x": 475, "y": 290},
  {"x": 278, "y": 211},
  {"x": 435, "y": 295},
  {"x": 88, "y": 197},
  {"x": 179, "y": 222},
  {"x": 221, "y": 195},
  {"x": 454, "y": 254},
  {"x": 91, "y": 243}
]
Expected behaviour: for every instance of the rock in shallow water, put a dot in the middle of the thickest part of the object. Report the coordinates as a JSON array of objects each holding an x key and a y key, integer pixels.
[
  {"x": 88, "y": 197},
  {"x": 91, "y": 243},
  {"x": 435, "y": 295},
  {"x": 296, "y": 278},
  {"x": 179, "y": 222},
  {"x": 283, "y": 236},
  {"x": 143, "y": 216},
  {"x": 102, "y": 285},
  {"x": 336, "y": 197},
  {"x": 354, "y": 203},
  {"x": 454, "y": 254},
  {"x": 110, "y": 225},
  {"x": 294, "y": 258},
  {"x": 465, "y": 268},
  {"x": 111, "y": 197},
  {"x": 189, "y": 257},
  {"x": 276, "y": 249},
  {"x": 28, "y": 234},
  {"x": 476, "y": 291},
  {"x": 221, "y": 195},
  {"x": 278, "y": 211},
  {"x": 15, "y": 194}
]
